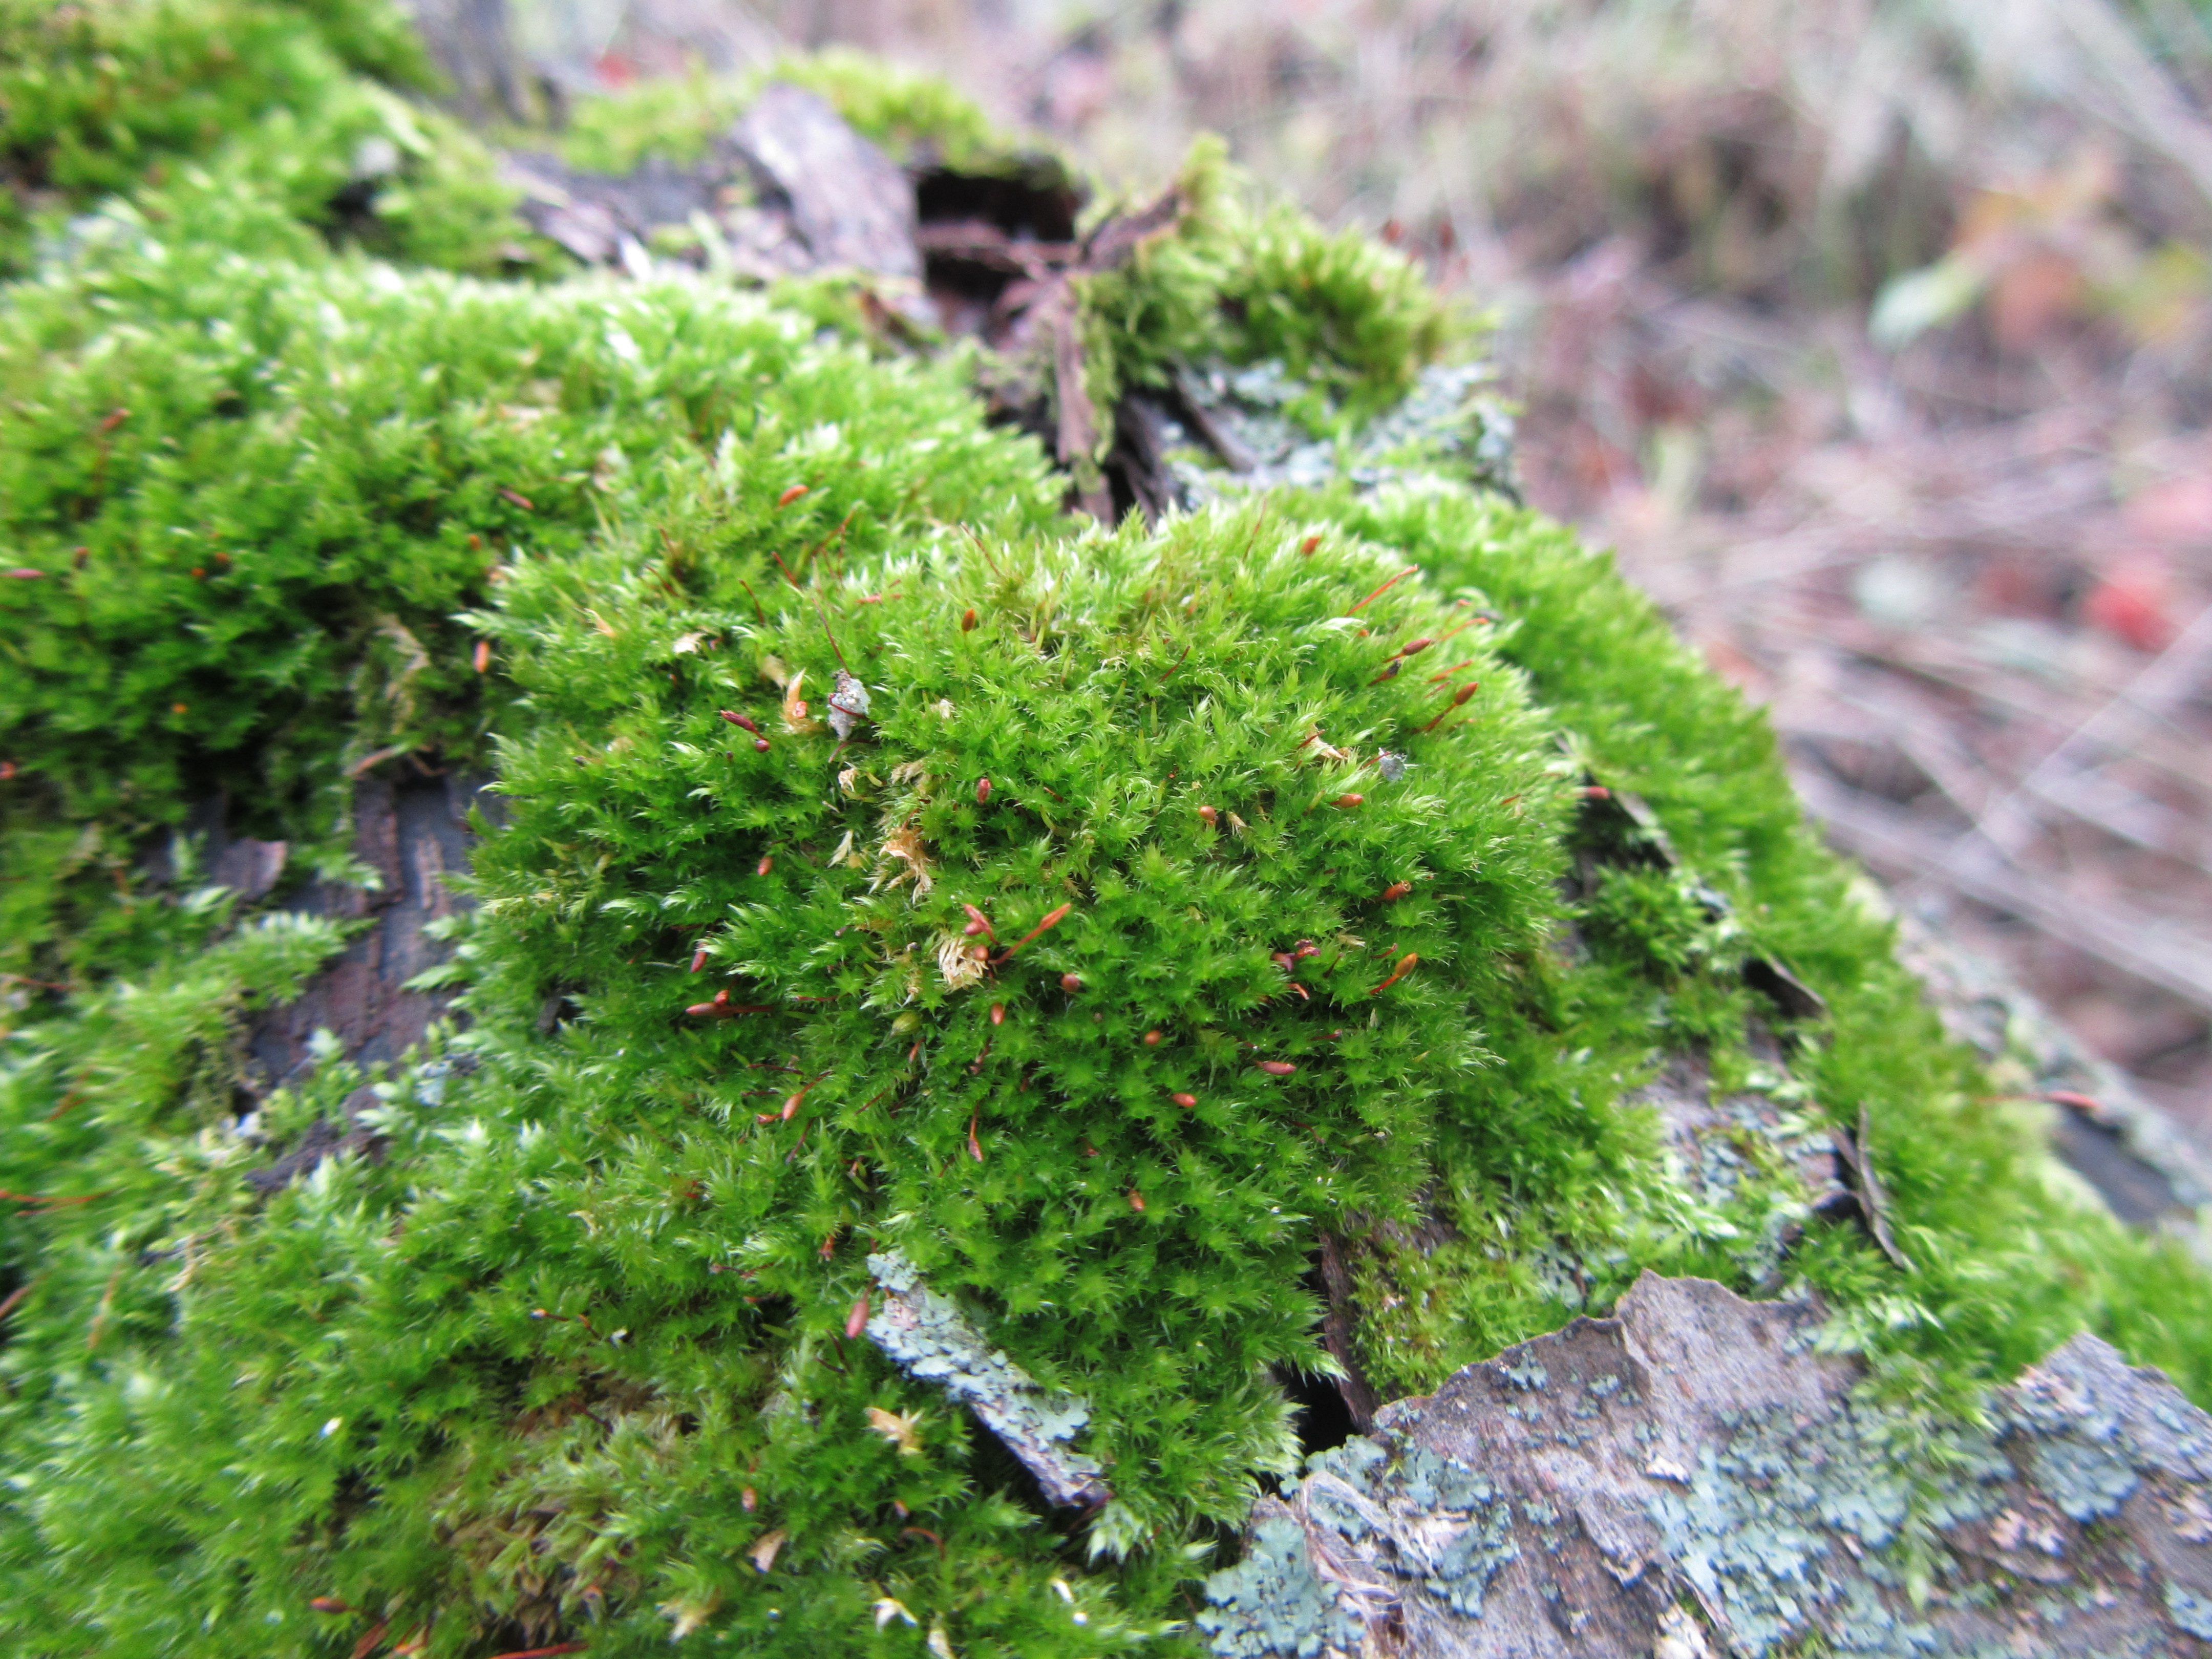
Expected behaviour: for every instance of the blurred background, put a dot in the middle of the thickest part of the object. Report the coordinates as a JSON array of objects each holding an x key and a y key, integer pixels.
[{"x": 1876, "y": 338}]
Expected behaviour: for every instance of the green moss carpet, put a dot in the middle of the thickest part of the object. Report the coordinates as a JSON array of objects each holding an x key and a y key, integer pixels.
[{"x": 886, "y": 858}]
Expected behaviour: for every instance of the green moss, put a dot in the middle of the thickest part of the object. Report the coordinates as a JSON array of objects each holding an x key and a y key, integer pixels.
[
  {"x": 916, "y": 119},
  {"x": 2009, "y": 1264},
  {"x": 1246, "y": 280},
  {"x": 293, "y": 98},
  {"x": 256, "y": 493},
  {"x": 558, "y": 1350},
  {"x": 675, "y": 119}
]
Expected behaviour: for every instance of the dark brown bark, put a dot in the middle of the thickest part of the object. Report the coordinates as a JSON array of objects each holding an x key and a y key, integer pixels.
[
  {"x": 1339, "y": 1319},
  {"x": 414, "y": 834}
]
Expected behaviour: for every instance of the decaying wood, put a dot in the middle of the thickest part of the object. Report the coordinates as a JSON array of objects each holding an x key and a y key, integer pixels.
[
  {"x": 1076, "y": 434},
  {"x": 979, "y": 242},
  {"x": 1710, "y": 1134},
  {"x": 250, "y": 868},
  {"x": 931, "y": 1340},
  {"x": 412, "y": 834},
  {"x": 323, "y": 1139},
  {"x": 604, "y": 220},
  {"x": 790, "y": 189},
  {"x": 850, "y": 204},
  {"x": 1005, "y": 265},
  {"x": 1339, "y": 1319},
  {"x": 1693, "y": 1476}
]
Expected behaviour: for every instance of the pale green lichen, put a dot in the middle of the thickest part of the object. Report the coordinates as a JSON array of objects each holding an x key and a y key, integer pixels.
[
  {"x": 2189, "y": 1611},
  {"x": 933, "y": 1342},
  {"x": 1273, "y": 1603},
  {"x": 1420, "y": 1523}
]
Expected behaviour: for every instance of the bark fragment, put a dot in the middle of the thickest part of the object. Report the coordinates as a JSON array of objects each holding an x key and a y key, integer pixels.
[
  {"x": 1588, "y": 1492},
  {"x": 250, "y": 868},
  {"x": 413, "y": 833},
  {"x": 322, "y": 1139},
  {"x": 931, "y": 1340},
  {"x": 1340, "y": 1319},
  {"x": 851, "y": 205},
  {"x": 829, "y": 199}
]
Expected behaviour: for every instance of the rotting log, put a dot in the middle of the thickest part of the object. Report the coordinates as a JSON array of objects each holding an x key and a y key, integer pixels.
[{"x": 1694, "y": 1475}]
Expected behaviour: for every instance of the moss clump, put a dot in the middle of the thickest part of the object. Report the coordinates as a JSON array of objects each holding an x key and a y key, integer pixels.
[
  {"x": 1115, "y": 1135},
  {"x": 566, "y": 1340},
  {"x": 1246, "y": 280},
  {"x": 267, "y": 119},
  {"x": 916, "y": 119},
  {"x": 254, "y": 495}
]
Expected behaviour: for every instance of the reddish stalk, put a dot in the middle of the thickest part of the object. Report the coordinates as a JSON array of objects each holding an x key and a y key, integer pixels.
[
  {"x": 1406, "y": 963},
  {"x": 1380, "y": 591},
  {"x": 1052, "y": 920}
]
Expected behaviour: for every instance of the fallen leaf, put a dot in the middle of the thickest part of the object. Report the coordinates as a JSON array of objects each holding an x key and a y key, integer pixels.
[
  {"x": 901, "y": 1428},
  {"x": 685, "y": 1617},
  {"x": 2132, "y": 603},
  {"x": 795, "y": 717}
]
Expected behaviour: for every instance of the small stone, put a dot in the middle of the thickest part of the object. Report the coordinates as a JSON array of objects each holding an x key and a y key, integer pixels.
[{"x": 849, "y": 705}]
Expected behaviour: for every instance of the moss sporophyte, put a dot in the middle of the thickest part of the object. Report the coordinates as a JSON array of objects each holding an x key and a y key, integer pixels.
[{"x": 933, "y": 975}]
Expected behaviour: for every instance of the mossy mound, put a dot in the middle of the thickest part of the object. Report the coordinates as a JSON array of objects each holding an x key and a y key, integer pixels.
[
  {"x": 246, "y": 497},
  {"x": 1118, "y": 1132},
  {"x": 916, "y": 119},
  {"x": 258, "y": 122},
  {"x": 1091, "y": 921}
]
